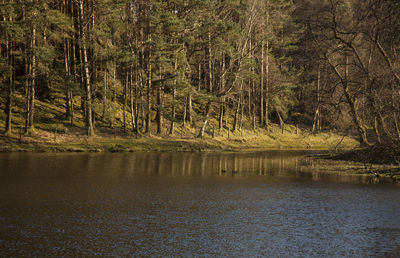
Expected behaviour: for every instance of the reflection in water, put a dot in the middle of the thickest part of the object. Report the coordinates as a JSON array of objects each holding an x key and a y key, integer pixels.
[
  {"x": 289, "y": 164},
  {"x": 183, "y": 204}
]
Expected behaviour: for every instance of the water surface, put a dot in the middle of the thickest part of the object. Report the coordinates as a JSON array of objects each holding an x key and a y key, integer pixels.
[{"x": 185, "y": 204}]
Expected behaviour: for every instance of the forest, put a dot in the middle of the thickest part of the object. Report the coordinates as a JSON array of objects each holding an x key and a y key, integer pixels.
[{"x": 151, "y": 66}]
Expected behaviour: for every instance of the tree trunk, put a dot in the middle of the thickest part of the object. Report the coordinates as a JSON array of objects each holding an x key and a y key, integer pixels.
[
  {"x": 67, "y": 73},
  {"x": 236, "y": 117},
  {"x": 222, "y": 99},
  {"x": 262, "y": 121},
  {"x": 210, "y": 74},
  {"x": 254, "y": 105},
  {"x": 242, "y": 106},
  {"x": 137, "y": 106},
  {"x": 190, "y": 109},
  {"x": 350, "y": 100},
  {"x": 131, "y": 102},
  {"x": 203, "y": 126},
  {"x": 316, "y": 123},
  {"x": 27, "y": 87},
  {"x": 86, "y": 75},
  {"x": 125, "y": 99},
  {"x": 69, "y": 63},
  {"x": 357, "y": 120},
  {"x": 376, "y": 127},
  {"x": 31, "y": 95},
  {"x": 159, "y": 106},
  {"x": 105, "y": 84},
  {"x": 172, "y": 128},
  {"x": 73, "y": 60},
  {"x": 71, "y": 105},
  {"x": 199, "y": 78},
  {"x": 353, "y": 105},
  {"x": 267, "y": 86},
  {"x": 9, "y": 101},
  {"x": 282, "y": 124},
  {"x": 149, "y": 87}
]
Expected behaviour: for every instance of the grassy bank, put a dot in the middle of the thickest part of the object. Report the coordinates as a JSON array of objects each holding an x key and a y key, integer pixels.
[
  {"x": 54, "y": 133},
  {"x": 111, "y": 140}
]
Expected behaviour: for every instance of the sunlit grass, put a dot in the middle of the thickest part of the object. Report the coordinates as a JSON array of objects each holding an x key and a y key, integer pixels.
[{"x": 53, "y": 132}]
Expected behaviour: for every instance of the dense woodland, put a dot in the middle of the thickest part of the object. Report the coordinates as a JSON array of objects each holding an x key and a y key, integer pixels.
[{"x": 149, "y": 66}]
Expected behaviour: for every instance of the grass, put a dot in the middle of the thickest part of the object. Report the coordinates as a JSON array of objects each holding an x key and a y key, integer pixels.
[
  {"x": 54, "y": 133},
  {"x": 70, "y": 139}
]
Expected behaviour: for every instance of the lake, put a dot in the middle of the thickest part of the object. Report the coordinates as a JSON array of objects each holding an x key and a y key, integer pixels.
[{"x": 271, "y": 203}]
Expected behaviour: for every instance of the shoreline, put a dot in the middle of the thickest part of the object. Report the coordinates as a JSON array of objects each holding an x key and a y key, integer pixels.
[{"x": 45, "y": 141}]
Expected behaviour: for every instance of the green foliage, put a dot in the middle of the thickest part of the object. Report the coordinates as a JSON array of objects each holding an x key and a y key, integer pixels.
[{"x": 204, "y": 60}]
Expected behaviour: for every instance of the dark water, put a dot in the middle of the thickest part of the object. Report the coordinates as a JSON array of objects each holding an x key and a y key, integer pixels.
[{"x": 183, "y": 205}]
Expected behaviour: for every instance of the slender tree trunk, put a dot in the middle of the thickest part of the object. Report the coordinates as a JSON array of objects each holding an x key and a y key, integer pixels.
[
  {"x": 353, "y": 105},
  {"x": 113, "y": 93},
  {"x": 86, "y": 75},
  {"x": 184, "y": 113},
  {"x": 222, "y": 99},
  {"x": 9, "y": 101},
  {"x": 71, "y": 98},
  {"x": 172, "y": 128},
  {"x": 125, "y": 99},
  {"x": 137, "y": 107},
  {"x": 199, "y": 78},
  {"x": 67, "y": 73},
  {"x": 236, "y": 117},
  {"x": 221, "y": 113},
  {"x": 210, "y": 74},
  {"x": 242, "y": 107},
  {"x": 253, "y": 86},
  {"x": 69, "y": 63},
  {"x": 190, "y": 108},
  {"x": 31, "y": 95},
  {"x": 73, "y": 60},
  {"x": 105, "y": 84},
  {"x": 267, "y": 86},
  {"x": 142, "y": 111},
  {"x": 262, "y": 121},
  {"x": 149, "y": 87},
  {"x": 316, "y": 123},
  {"x": 376, "y": 127},
  {"x": 131, "y": 102},
  {"x": 28, "y": 64},
  {"x": 159, "y": 106},
  {"x": 282, "y": 124},
  {"x": 203, "y": 126},
  {"x": 395, "y": 112},
  {"x": 249, "y": 97}
]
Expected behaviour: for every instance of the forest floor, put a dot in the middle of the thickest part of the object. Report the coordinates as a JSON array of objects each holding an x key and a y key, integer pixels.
[
  {"x": 73, "y": 139},
  {"x": 54, "y": 133}
]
